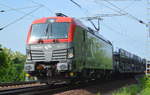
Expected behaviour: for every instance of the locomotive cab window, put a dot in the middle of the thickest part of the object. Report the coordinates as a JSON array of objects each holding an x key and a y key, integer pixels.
[
  {"x": 55, "y": 30},
  {"x": 39, "y": 31},
  {"x": 58, "y": 30}
]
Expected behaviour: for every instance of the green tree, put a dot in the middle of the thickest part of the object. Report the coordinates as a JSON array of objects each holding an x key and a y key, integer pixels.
[{"x": 11, "y": 65}]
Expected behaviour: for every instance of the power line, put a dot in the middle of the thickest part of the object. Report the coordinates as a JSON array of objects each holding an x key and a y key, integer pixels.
[
  {"x": 14, "y": 9},
  {"x": 126, "y": 36},
  {"x": 112, "y": 29},
  {"x": 102, "y": 15},
  {"x": 112, "y": 15},
  {"x": 131, "y": 16},
  {"x": 81, "y": 8},
  {"x": 15, "y": 21},
  {"x": 89, "y": 18},
  {"x": 76, "y": 3},
  {"x": 118, "y": 11},
  {"x": 133, "y": 2},
  {"x": 37, "y": 3}
]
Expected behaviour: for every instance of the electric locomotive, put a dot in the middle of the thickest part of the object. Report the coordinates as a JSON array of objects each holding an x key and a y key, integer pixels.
[{"x": 62, "y": 48}]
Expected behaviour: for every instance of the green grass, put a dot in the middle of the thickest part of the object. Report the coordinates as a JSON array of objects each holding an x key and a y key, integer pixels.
[
  {"x": 141, "y": 89},
  {"x": 129, "y": 90},
  {"x": 145, "y": 91},
  {"x": 98, "y": 94}
]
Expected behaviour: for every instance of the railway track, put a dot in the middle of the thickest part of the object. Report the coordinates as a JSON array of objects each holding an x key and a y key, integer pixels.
[
  {"x": 17, "y": 83},
  {"x": 38, "y": 90},
  {"x": 49, "y": 89},
  {"x": 9, "y": 86},
  {"x": 45, "y": 89}
]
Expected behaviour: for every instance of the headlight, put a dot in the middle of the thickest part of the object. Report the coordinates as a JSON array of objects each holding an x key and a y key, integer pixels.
[
  {"x": 32, "y": 39},
  {"x": 70, "y": 53},
  {"x": 29, "y": 67},
  {"x": 62, "y": 66}
]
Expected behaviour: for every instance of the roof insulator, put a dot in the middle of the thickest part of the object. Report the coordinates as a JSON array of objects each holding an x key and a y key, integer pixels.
[{"x": 61, "y": 15}]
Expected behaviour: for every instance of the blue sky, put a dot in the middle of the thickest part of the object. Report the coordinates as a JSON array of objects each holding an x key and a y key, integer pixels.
[{"x": 123, "y": 31}]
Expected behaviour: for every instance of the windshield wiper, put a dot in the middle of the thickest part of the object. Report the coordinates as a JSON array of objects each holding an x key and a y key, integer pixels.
[{"x": 46, "y": 31}]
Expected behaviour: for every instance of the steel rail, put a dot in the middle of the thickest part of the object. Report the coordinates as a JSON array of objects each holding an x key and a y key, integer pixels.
[
  {"x": 44, "y": 89},
  {"x": 17, "y": 83},
  {"x": 52, "y": 89},
  {"x": 36, "y": 90},
  {"x": 17, "y": 91}
]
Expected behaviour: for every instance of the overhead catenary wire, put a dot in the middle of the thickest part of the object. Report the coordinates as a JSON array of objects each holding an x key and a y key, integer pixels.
[
  {"x": 118, "y": 11},
  {"x": 90, "y": 20},
  {"x": 15, "y": 9},
  {"x": 129, "y": 15},
  {"x": 76, "y": 3},
  {"x": 81, "y": 8},
  {"x": 11, "y": 8},
  {"x": 101, "y": 15},
  {"x": 37, "y": 3},
  {"x": 115, "y": 10},
  {"x": 96, "y": 17},
  {"x": 112, "y": 15},
  {"x": 128, "y": 6},
  {"x": 15, "y": 21},
  {"x": 125, "y": 35}
]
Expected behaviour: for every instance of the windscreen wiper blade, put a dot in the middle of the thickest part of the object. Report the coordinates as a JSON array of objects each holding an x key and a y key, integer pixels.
[{"x": 46, "y": 31}]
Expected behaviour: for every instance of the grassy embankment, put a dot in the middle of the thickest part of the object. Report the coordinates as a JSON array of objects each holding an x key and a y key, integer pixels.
[{"x": 143, "y": 88}]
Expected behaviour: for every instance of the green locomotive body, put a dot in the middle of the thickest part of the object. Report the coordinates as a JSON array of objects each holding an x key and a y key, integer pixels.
[{"x": 91, "y": 51}]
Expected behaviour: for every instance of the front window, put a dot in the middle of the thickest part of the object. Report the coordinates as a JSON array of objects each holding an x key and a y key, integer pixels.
[
  {"x": 54, "y": 30},
  {"x": 58, "y": 31},
  {"x": 39, "y": 31}
]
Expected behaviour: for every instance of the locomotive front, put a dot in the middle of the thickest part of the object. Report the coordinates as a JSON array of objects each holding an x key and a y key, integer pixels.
[{"x": 49, "y": 48}]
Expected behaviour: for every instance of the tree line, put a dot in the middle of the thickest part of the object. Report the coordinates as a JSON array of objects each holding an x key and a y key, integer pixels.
[{"x": 11, "y": 65}]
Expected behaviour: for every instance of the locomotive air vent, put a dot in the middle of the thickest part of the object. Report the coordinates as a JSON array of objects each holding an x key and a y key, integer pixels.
[{"x": 59, "y": 54}]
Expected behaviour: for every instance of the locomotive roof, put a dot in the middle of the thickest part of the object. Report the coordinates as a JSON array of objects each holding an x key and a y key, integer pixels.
[{"x": 60, "y": 19}]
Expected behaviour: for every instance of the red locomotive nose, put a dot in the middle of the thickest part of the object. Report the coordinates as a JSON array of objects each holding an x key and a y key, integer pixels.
[{"x": 59, "y": 31}]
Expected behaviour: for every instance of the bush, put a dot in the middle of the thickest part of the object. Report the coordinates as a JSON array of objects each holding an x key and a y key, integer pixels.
[
  {"x": 145, "y": 91},
  {"x": 11, "y": 66},
  {"x": 143, "y": 88},
  {"x": 145, "y": 82},
  {"x": 130, "y": 90}
]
